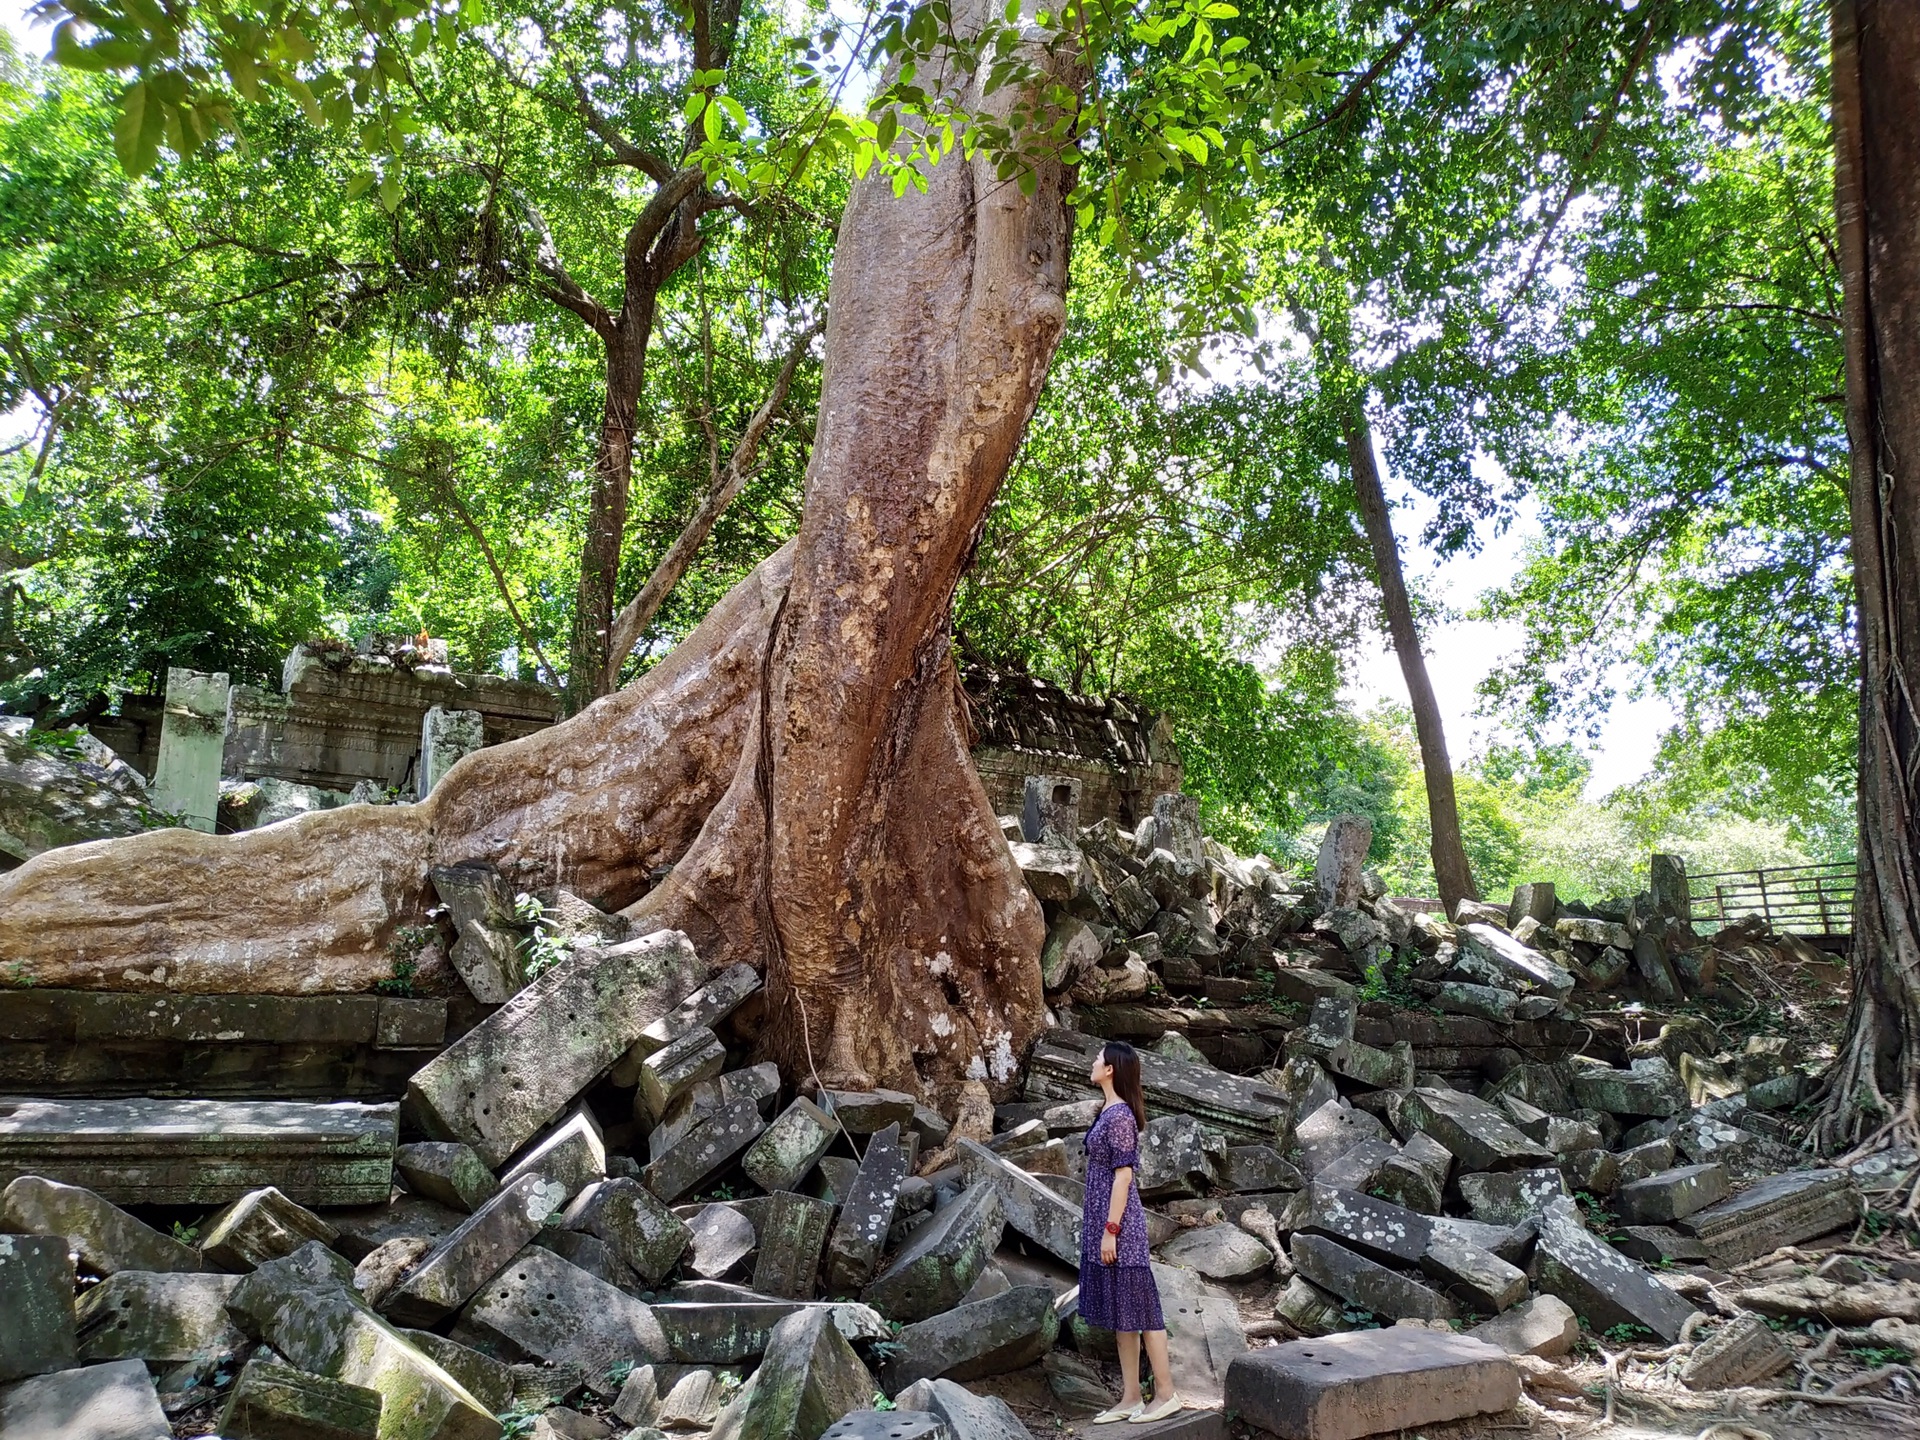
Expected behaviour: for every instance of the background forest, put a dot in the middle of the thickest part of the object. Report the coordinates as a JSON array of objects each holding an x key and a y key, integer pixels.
[{"x": 276, "y": 389}]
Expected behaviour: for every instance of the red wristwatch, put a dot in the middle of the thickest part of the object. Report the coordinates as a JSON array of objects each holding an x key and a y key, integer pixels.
[{"x": 1113, "y": 1227}]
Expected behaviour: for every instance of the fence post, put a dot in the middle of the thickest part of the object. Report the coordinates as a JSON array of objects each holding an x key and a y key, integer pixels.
[
  {"x": 1766, "y": 905},
  {"x": 1820, "y": 892}
]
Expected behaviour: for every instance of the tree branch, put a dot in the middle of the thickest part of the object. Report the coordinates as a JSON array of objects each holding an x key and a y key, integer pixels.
[
  {"x": 1358, "y": 89},
  {"x": 625, "y": 152}
]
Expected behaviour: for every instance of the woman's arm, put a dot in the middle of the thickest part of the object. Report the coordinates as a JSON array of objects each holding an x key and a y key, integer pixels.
[{"x": 1116, "y": 1208}]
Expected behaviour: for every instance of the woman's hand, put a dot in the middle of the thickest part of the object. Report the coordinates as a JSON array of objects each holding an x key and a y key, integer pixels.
[{"x": 1109, "y": 1249}]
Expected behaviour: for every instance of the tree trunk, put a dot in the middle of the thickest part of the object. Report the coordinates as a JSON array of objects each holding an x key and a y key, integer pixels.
[
  {"x": 1450, "y": 869},
  {"x": 1874, "y": 1092},
  {"x": 799, "y": 758}
]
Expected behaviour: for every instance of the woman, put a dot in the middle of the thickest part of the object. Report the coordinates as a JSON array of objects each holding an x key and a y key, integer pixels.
[{"x": 1116, "y": 1286}]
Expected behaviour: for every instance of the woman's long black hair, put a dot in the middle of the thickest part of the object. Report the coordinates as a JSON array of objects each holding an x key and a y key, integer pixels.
[{"x": 1125, "y": 1061}]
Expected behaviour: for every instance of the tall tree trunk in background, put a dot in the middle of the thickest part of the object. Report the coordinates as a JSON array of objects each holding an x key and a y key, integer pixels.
[
  {"x": 594, "y": 599},
  {"x": 1450, "y": 869},
  {"x": 1876, "y": 123}
]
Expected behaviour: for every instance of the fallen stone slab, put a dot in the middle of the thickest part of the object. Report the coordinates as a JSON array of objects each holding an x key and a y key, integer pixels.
[
  {"x": 1478, "y": 1277},
  {"x": 277, "y": 1402},
  {"x": 103, "y": 1237},
  {"x": 787, "y": 1150},
  {"x": 98, "y": 1402},
  {"x": 1366, "y": 1283},
  {"x": 630, "y": 1220},
  {"x": 889, "y": 1425},
  {"x": 730, "y": 1325},
  {"x": 1648, "y": 1088},
  {"x": 36, "y": 1297},
  {"x": 1331, "y": 1131},
  {"x": 261, "y": 1226},
  {"x": 939, "y": 1264},
  {"x": 1744, "y": 1351},
  {"x": 1671, "y": 1195},
  {"x": 592, "y": 1255},
  {"x": 573, "y": 1156},
  {"x": 1654, "y": 1244},
  {"x": 672, "y": 1071},
  {"x": 376, "y": 1276},
  {"x": 1786, "y": 1209},
  {"x": 1031, "y": 1209},
  {"x": 1517, "y": 962},
  {"x": 1511, "y": 1197},
  {"x": 706, "y": 1149},
  {"x": 1219, "y": 1252},
  {"x": 1483, "y": 1002},
  {"x": 1475, "y": 1133},
  {"x": 1258, "y": 1169},
  {"x": 705, "y": 1008},
  {"x": 1178, "y": 1156},
  {"x": 460, "y": 1264},
  {"x": 1545, "y": 1326},
  {"x": 485, "y": 1378},
  {"x": 1361, "y": 1168},
  {"x": 541, "y": 1308},
  {"x": 365, "y": 1228},
  {"x": 866, "y": 1213},
  {"x": 1244, "y": 1111},
  {"x": 864, "y": 1112},
  {"x": 808, "y": 1379},
  {"x": 792, "y": 1236},
  {"x": 496, "y": 1086},
  {"x": 1602, "y": 1285},
  {"x": 1007, "y": 1332},
  {"x": 966, "y": 1415},
  {"x": 447, "y": 1171},
  {"x": 162, "y": 1318},
  {"x": 1377, "y": 1228},
  {"x": 1341, "y": 1387},
  {"x": 1309, "y": 1309},
  {"x": 203, "y": 1152},
  {"x": 721, "y": 1238}
]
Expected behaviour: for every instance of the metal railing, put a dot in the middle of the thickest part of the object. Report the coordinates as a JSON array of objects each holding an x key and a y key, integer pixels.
[{"x": 1792, "y": 899}]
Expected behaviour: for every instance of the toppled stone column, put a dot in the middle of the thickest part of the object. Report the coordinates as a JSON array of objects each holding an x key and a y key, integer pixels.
[
  {"x": 193, "y": 737},
  {"x": 1343, "y": 856},
  {"x": 446, "y": 738}
]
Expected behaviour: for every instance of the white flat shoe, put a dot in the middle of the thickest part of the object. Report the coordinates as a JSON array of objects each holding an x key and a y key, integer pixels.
[
  {"x": 1172, "y": 1405},
  {"x": 1116, "y": 1414}
]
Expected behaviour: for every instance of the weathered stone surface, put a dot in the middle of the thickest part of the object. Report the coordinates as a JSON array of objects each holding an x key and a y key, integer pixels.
[
  {"x": 1744, "y": 1351},
  {"x": 1640, "y": 1161},
  {"x": 1330, "y": 1131},
  {"x": 1515, "y": 961},
  {"x": 1602, "y": 1285},
  {"x": 1371, "y": 1067},
  {"x": 99, "y": 1402},
  {"x": 1484, "y": 1002},
  {"x": 808, "y": 1379},
  {"x": 1649, "y": 1087},
  {"x": 1219, "y": 1252},
  {"x": 1671, "y": 1195},
  {"x": 1032, "y": 1209},
  {"x": 703, "y": 1009},
  {"x": 863, "y": 1112},
  {"x": 542, "y": 1308},
  {"x": 866, "y": 1214},
  {"x": 673, "y": 1070},
  {"x": 105, "y": 1238},
  {"x": 784, "y": 1155},
  {"x": 1779, "y": 1210},
  {"x": 1257, "y": 1169},
  {"x": 591, "y": 1254},
  {"x": 1072, "y": 947},
  {"x": 1374, "y": 1227},
  {"x": 376, "y": 1275},
  {"x": 1652, "y": 1244},
  {"x": 1341, "y": 1387},
  {"x": 1306, "y": 988},
  {"x": 1342, "y": 860},
  {"x": 1466, "y": 1272},
  {"x": 1178, "y": 1157},
  {"x": 1510, "y": 1197},
  {"x": 967, "y": 1416},
  {"x": 1245, "y": 1111},
  {"x": 1005, "y": 1332},
  {"x": 259, "y": 1227},
  {"x": 573, "y": 1156},
  {"x": 642, "y": 1232},
  {"x": 460, "y": 1264},
  {"x": 203, "y": 1152},
  {"x": 446, "y": 1171},
  {"x": 487, "y": 951},
  {"x": 721, "y": 1237},
  {"x": 277, "y": 1402},
  {"x": 36, "y": 1297},
  {"x": 166, "y": 1319},
  {"x": 792, "y": 1236},
  {"x": 48, "y": 800},
  {"x": 485, "y": 1378},
  {"x": 941, "y": 1261},
  {"x": 1657, "y": 978},
  {"x": 728, "y": 1324},
  {"x": 366, "y": 1228},
  {"x": 1309, "y": 1309},
  {"x": 889, "y": 1425},
  {"x": 498, "y": 1084},
  {"x": 706, "y": 1149},
  {"x": 1366, "y": 1283},
  {"x": 1590, "y": 931},
  {"x": 1477, "y": 1134},
  {"x": 1545, "y": 1326}
]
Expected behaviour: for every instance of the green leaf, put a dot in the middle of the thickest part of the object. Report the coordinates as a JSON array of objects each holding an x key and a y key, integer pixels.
[
  {"x": 390, "y": 192},
  {"x": 136, "y": 134},
  {"x": 359, "y": 184}
]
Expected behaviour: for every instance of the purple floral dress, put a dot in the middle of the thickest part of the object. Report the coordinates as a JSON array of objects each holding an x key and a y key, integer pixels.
[{"x": 1120, "y": 1296}]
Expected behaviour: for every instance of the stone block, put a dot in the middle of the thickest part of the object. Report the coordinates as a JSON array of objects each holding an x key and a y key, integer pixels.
[
  {"x": 193, "y": 739},
  {"x": 673, "y": 1070},
  {"x": 1657, "y": 978},
  {"x": 1743, "y": 1351},
  {"x": 1178, "y": 1156},
  {"x": 446, "y": 1171},
  {"x": 1031, "y": 1209},
  {"x": 1342, "y": 860},
  {"x": 259, "y": 1227},
  {"x": 1329, "y": 1132},
  {"x": 277, "y": 1402},
  {"x": 36, "y": 1296},
  {"x": 1372, "y": 1226},
  {"x": 1475, "y": 1133},
  {"x": 705, "y": 1008},
  {"x": 1517, "y": 963},
  {"x": 541, "y": 1308},
  {"x": 866, "y": 1213},
  {"x": 485, "y": 1378},
  {"x": 1309, "y": 1309},
  {"x": 203, "y": 1152},
  {"x": 1257, "y": 1169},
  {"x": 1483, "y": 1002},
  {"x": 1073, "y": 947},
  {"x": 786, "y": 1152},
  {"x": 721, "y": 1238},
  {"x": 164, "y": 1319},
  {"x": 967, "y": 1416},
  {"x": 460, "y": 1264},
  {"x": 1341, "y": 1387},
  {"x": 1641, "y": 1161},
  {"x": 104, "y": 1238},
  {"x": 1534, "y": 900},
  {"x": 1009, "y": 1331},
  {"x": 1545, "y": 1326},
  {"x": 1328, "y": 1026},
  {"x": 1671, "y": 1195},
  {"x": 1787, "y": 1209},
  {"x": 708, "y": 1147},
  {"x": 1219, "y": 1252},
  {"x": 446, "y": 738},
  {"x": 1306, "y": 988},
  {"x": 366, "y": 1228},
  {"x": 1510, "y": 1197},
  {"x": 730, "y": 1324},
  {"x": 863, "y": 1112},
  {"x": 939, "y": 1264},
  {"x": 1602, "y": 1285},
  {"x": 791, "y": 1239},
  {"x": 889, "y": 1425},
  {"x": 808, "y": 1379},
  {"x": 1648, "y": 1088},
  {"x": 1478, "y": 1277},
  {"x": 642, "y": 1232},
  {"x": 591, "y": 1254},
  {"x": 99, "y": 1402},
  {"x": 1366, "y": 1283},
  {"x": 573, "y": 1156},
  {"x": 1373, "y": 1068},
  {"x": 496, "y": 1086},
  {"x": 1587, "y": 930},
  {"x": 1654, "y": 1244}
]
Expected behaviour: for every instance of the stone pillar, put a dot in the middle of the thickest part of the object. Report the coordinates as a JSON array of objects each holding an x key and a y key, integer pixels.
[
  {"x": 445, "y": 737},
  {"x": 1176, "y": 827},
  {"x": 1343, "y": 858},
  {"x": 193, "y": 737},
  {"x": 1052, "y": 803},
  {"x": 1671, "y": 895}
]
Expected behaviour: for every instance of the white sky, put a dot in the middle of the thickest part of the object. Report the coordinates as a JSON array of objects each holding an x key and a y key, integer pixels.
[{"x": 1460, "y": 652}]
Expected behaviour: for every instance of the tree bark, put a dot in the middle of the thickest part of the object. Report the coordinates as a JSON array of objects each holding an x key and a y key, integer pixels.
[
  {"x": 799, "y": 759},
  {"x": 1450, "y": 869},
  {"x": 1874, "y": 1092}
]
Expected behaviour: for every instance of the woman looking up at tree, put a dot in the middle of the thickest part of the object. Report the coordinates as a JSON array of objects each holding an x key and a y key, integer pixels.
[{"x": 1116, "y": 1283}]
